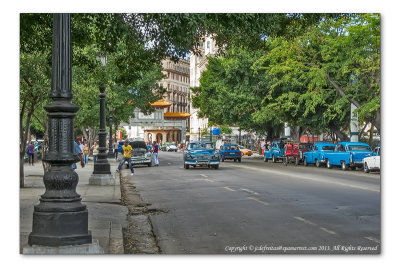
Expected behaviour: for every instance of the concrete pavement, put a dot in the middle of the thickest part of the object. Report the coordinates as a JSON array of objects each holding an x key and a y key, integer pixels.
[{"x": 107, "y": 215}]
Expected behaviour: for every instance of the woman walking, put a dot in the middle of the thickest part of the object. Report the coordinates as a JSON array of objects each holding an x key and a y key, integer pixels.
[
  {"x": 86, "y": 152},
  {"x": 95, "y": 149},
  {"x": 31, "y": 152}
]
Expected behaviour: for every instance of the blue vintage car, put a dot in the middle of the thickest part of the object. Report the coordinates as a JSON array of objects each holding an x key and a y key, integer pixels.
[
  {"x": 275, "y": 151},
  {"x": 348, "y": 154},
  {"x": 230, "y": 151},
  {"x": 317, "y": 154},
  {"x": 201, "y": 153}
]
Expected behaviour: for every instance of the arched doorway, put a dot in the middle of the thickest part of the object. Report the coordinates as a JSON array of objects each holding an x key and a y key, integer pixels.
[{"x": 159, "y": 138}]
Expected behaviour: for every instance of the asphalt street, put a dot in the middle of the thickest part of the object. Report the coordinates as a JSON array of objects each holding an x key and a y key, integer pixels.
[{"x": 257, "y": 207}]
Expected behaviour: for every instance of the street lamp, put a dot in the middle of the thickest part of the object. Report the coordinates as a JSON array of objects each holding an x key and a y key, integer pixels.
[
  {"x": 101, "y": 173},
  {"x": 110, "y": 147},
  {"x": 199, "y": 133},
  {"x": 60, "y": 219}
]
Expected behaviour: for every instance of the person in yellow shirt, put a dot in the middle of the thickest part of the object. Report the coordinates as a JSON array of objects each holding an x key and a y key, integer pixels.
[{"x": 127, "y": 149}]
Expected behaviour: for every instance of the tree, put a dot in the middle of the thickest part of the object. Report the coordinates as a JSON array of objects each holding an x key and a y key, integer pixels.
[{"x": 297, "y": 84}]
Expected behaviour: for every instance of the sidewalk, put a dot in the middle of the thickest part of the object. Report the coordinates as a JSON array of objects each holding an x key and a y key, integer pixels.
[{"x": 107, "y": 216}]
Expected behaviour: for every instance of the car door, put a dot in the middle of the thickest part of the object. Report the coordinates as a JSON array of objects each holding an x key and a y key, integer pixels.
[{"x": 315, "y": 154}]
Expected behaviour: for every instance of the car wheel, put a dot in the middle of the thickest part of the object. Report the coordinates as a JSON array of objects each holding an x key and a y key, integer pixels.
[
  {"x": 240, "y": 160},
  {"x": 317, "y": 163},
  {"x": 296, "y": 161},
  {"x": 265, "y": 159},
  {"x": 344, "y": 166},
  {"x": 304, "y": 162},
  {"x": 366, "y": 169},
  {"x": 273, "y": 159},
  {"x": 186, "y": 166},
  {"x": 223, "y": 159},
  {"x": 328, "y": 164},
  {"x": 234, "y": 160},
  {"x": 216, "y": 167}
]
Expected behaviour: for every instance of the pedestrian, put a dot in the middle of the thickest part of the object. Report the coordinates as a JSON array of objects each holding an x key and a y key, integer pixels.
[
  {"x": 127, "y": 151},
  {"x": 78, "y": 152},
  {"x": 86, "y": 152},
  {"x": 95, "y": 149},
  {"x": 115, "y": 147},
  {"x": 81, "y": 145},
  {"x": 155, "y": 153},
  {"x": 31, "y": 152}
]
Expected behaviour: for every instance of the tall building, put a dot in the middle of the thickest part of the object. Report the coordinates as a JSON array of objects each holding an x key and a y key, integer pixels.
[
  {"x": 170, "y": 121},
  {"x": 198, "y": 64}
]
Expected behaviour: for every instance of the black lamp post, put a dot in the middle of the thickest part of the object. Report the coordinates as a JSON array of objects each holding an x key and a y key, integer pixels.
[
  {"x": 211, "y": 134},
  {"x": 110, "y": 142},
  {"x": 102, "y": 166},
  {"x": 60, "y": 219},
  {"x": 101, "y": 173},
  {"x": 199, "y": 133}
]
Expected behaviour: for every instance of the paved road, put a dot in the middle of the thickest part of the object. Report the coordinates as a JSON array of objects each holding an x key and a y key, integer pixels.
[{"x": 257, "y": 207}]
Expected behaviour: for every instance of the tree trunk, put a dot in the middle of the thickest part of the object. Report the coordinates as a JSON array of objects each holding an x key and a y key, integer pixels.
[
  {"x": 295, "y": 133},
  {"x": 340, "y": 135},
  {"x": 23, "y": 139}
]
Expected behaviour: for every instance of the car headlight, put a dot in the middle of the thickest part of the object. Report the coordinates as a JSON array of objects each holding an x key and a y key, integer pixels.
[{"x": 148, "y": 155}]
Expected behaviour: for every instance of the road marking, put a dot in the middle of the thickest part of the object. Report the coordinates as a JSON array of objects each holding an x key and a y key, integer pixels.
[
  {"x": 314, "y": 224},
  {"x": 328, "y": 231},
  {"x": 307, "y": 178},
  {"x": 204, "y": 175},
  {"x": 373, "y": 239},
  {"x": 208, "y": 180},
  {"x": 259, "y": 201},
  {"x": 304, "y": 220},
  {"x": 249, "y": 191},
  {"x": 230, "y": 189}
]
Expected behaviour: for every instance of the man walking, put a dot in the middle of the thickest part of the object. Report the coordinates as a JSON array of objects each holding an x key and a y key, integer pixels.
[
  {"x": 155, "y": 153},
  {"x": 127, "y": 151}
]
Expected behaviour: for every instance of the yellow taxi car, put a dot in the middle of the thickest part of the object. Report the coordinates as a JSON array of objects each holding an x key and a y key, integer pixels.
[{"x": 245, "y": 151}]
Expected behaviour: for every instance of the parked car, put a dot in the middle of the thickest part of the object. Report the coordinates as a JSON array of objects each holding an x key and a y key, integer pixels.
[
  {"x": 303, "y": 148},
  {"x": 275, "y": 151},
  {"x": 164, "y": 146},
  {"x": 245, "y": 151},
  {"x": 373, "y": 162},
  {"x": 141, "y": 154},
  {"x": 317, "y": 154},
  {"x": 230, "y": 151},
  {"x": 348, "y": 154},
  {"x": 201, "y": 153},
  {"x": 171, "y": 147}
]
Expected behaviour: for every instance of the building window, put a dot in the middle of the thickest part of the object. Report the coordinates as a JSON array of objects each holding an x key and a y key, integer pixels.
[{"x": 208, "y": 44}]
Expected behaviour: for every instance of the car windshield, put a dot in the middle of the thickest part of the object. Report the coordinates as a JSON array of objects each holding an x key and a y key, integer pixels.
[
  {"x": 201, "y": 146},
  {"x": 359, "y": 148},
  {"x": 306, "y": 146},
  {"x": 232, "y": 147},
  {"x": 328, "y": 148}
]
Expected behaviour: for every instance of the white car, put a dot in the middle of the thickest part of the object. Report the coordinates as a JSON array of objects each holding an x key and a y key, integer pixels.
[
  {"x": 373, "y": 163},
  {"x": 171, "y": 147}
]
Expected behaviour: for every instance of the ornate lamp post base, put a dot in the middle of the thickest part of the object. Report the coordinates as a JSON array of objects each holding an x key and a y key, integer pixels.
[
  {"x": 85, "y": 249},
  {"x": 101, "y": 179}
]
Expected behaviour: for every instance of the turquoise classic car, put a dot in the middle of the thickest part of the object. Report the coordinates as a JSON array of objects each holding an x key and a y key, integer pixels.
[
  {"x": 348, "y": 154},
  {"x": 275, "y": 151},
  {"x": 317, "y": 155},
  {"x": 230, "y": 151},
  {"x": 201, "y": 153}
]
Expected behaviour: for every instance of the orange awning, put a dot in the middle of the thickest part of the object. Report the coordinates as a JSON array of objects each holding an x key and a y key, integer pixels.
[
  {"x": 161, "y": 104},
  {"x": 176, "y": 116}
]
